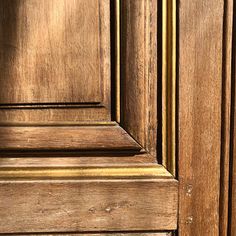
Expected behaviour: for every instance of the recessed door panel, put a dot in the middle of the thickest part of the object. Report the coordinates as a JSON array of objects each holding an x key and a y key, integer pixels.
[{"x": 50, "y": 51}]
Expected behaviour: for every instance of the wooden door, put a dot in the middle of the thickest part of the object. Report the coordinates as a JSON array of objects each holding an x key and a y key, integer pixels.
[
  {"x": 78, "y": 113},
  {"x": 115, "y": 117}
]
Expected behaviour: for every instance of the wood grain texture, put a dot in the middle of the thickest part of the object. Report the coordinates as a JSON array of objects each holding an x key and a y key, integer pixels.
[
  {"x": 232, "y": 199},
  {"x": 99, "y": 205},
  {"x": 72, "y": 159},
  {"x": 200, "y": 81},
  {"x": 50, "y": 51},
  {"x": 139, "y": 71},
  {"x": 226, "y": 116},
  {"x": 66, "y": 138},
  {"x": 69, "y": 63},
  {"x": 42, "y": 115}
]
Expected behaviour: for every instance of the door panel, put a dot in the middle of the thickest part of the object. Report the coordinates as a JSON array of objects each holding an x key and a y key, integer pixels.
[
  {"x": 79, "y": 116},
  {"x": 50, "y": 51},
  {"x": 53, "y": 56}
]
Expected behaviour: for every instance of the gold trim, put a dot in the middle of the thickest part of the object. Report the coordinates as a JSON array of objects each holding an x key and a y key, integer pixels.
[
  {"x": 116, "y": 172},
  {"x": 169, "y": 84},
  {"x": 117, "y": 53}
]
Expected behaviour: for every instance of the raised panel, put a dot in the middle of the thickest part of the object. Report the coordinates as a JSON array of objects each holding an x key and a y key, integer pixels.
[{"x": 50, "y": 51}]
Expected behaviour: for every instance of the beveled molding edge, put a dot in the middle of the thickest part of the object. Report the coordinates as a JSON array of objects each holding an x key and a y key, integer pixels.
[
  {"x": 85, "y": 172},
  {"x": 169, "y": 45}
]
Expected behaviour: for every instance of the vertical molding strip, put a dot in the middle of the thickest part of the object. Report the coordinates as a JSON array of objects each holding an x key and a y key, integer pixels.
[
  {"x": 226, "y": 116},
  {"x": 117, "y": 55},
  {"x": 169, "y": 85}
]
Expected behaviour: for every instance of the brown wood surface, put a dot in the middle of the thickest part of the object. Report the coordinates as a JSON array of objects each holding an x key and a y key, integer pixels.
[
  {"x": 51, "y": 138},
  {"x": 232, "y": 201},
  {"x": 103, "y": 234},
  {"x": 139, "y": 71},
  {"x": 43, "y": 188},
  {"x": 50, "y": 51},
  {"x": 226, "y": 116},
  {"x": 55, "y": 58},
  {"x": 55, "y": 159},
  {"x": 41, "y": 114},
  {"x": 200, "y": 81},
  {"x": 88, "y": 205}
]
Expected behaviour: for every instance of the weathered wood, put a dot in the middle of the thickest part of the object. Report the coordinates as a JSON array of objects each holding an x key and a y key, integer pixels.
[
  {"x": 88, "y": 205},
  {"x": 139, "y": 71},
  {"x": 226, "y": 116},
  {"x": 66, "y": 113},
  {"x": 105, "y": 234},
  {"x": 232, "y": 202},
  {"x": 200, "y": 88},
  {"x": 54, "y": 54},
  {"x": 50, "y": 51},
  {"x": 13, "y": 138},
  {"x": 76, "y": 159}
]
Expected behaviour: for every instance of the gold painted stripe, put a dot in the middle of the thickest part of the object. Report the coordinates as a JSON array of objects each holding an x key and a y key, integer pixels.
[{"x": 155, "y": 171}]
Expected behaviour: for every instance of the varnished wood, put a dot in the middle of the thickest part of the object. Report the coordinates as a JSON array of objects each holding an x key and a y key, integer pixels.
[
  {"x": 86, "y": 175},
  {"x": 200, "y": 81},
  {"x": 66, "y": 138},
  {"x": 104, "y": 234},
  {"x": 86, "y": 172},
  {"x": 75, "y": 159},
  {"x": 169, "y": 99},
  {"x": 232, "y": 195},
  {"x": 40, "y": 114},
  {"x": 50, "y": 51},
  {"x": 226, "y": 117},
  {"x": 139, "y": 71},
  {"x": 88, "y": 205},
  {"x": 54, "y": 57}
]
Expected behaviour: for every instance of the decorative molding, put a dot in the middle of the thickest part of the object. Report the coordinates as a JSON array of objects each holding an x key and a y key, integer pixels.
[
  {"x": 92, "y": 172},
  {"x": 169, "y": 85}
]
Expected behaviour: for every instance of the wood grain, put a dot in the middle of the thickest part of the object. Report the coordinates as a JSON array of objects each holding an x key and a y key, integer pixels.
[
  {"x": 200, "y": 81},
  {"x": 226, "y": 116},
  {"x": 50, "y": 51},
  {"x": 139, "y": 71},
  {"x": 42, "y": 115},
  {"x": 75, "y": 70},
  {"x": 232, "y": 199},
  {"x": 75, "y": 159},
  {"x": 98, "y": 205},
  {"x": 66, "y": 138}
]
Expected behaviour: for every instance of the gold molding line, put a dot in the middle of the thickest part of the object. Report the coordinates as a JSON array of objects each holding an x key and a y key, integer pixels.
[
  {"x": 117, "y": 55},
  {"x": 169, "y": 85},
  {"x": 116, "y": 172}
]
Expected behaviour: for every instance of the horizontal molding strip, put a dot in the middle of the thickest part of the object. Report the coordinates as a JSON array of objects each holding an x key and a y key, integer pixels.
[
  {"x": 66, "y": 138},
  {"x": 85, "y": 172}
]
